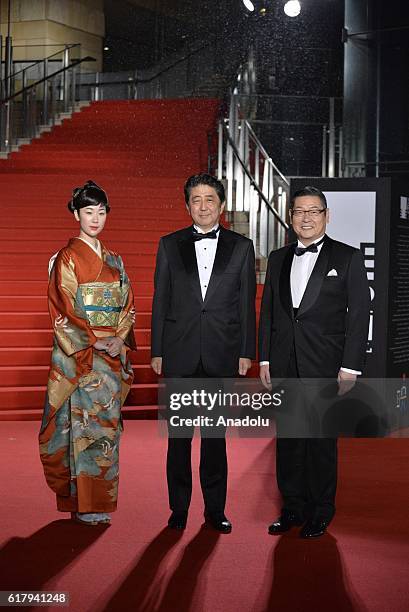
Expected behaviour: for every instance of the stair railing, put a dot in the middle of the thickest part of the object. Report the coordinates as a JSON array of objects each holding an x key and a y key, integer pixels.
[
  {"x": 177, "y": 77},
  {"x": 255, "y": 186},
  {"x": 38, "y": 104}
]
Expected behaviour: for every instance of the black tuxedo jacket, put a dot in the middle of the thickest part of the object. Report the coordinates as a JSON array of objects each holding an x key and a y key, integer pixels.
[
  {"x": 220, "y": 329},
  {"x": 331, "y": 326}
]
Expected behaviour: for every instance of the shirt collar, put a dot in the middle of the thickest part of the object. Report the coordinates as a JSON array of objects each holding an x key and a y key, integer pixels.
[
  {"x": 300, "y": 244},
  {"x": 200, "y": 231}
]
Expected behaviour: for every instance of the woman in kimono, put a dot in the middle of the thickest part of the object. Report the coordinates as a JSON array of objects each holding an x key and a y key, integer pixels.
[{"x": 92, "y": 313}]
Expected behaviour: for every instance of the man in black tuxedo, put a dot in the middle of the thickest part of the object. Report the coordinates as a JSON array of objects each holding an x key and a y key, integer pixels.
[
  {"x": 203, "y": 325},
  {"x": 313, "y": 324}
]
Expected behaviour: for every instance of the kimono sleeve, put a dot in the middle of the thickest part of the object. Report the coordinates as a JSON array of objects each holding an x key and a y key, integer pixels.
[
  {"x": 127, "y": 316},
  {"x": 71, "y": 328}
]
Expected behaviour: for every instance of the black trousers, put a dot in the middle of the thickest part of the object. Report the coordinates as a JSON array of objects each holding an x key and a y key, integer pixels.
[
  {"x": 212, "y": 470},
  {"x": 306, "y": 471}
]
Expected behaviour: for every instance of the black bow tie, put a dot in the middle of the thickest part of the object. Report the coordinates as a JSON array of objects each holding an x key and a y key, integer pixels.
[
  {"x": 198, "y": 236},
  {"x": 312, "y": 248}
]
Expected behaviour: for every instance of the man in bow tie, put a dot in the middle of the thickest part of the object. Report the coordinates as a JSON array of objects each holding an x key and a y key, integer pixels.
[
  {"x": 313, "y": 324},
  {"x": 203, "y": 325}
]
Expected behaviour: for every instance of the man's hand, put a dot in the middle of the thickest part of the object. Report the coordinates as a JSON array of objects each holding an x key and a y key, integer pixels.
[
  {"x": 101, "y": 344},
  {"x": 265, "y": 376},
  {"x": 114, "y": 346},
  {"x": 156, "y": 365},
  {"x": 346, "y": 381},
  {"x": 244, "y": 365}
]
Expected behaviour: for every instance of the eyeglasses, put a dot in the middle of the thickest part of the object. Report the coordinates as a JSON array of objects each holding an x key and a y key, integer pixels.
[{"x": 314, "y": 212}]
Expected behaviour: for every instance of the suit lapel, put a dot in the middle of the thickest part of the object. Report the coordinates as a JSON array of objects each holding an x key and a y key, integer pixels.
[
  {"x": 225, "y": 246},
  {"x": 317, "y": 276},
  {"x": 285, "y": 286},
  {"x": 188, "y": 255}
]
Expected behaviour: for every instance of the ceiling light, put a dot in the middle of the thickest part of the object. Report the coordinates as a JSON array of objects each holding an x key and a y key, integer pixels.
[
  {"x": 292, "y": 8},
  {"x": 249, "y": 5}
]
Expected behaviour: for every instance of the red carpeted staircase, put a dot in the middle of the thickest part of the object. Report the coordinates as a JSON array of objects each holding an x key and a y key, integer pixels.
[{"x": 141, "y": 152}]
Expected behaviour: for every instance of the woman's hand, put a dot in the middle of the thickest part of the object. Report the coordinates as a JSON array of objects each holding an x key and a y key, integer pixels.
[
  {"x": 101, "y": 345},
  {"x": 114, "y": 346}
]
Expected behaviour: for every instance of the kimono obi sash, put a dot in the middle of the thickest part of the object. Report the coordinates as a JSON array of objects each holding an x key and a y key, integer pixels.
[{"x": 102, "y": 303}]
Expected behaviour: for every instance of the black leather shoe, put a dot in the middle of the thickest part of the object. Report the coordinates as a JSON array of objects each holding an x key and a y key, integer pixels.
[
  {"x": 314, "y": 528},
  {"x": 177, "y": 520},
  {"x": 218, "y": 522},
  {"x": 284, "y": 523}
]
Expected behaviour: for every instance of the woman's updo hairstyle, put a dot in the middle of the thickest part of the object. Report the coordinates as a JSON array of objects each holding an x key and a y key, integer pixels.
[{"x": 88, "y": 195}]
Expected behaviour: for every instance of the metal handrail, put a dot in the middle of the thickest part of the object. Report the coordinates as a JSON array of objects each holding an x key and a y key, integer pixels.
[
  {"x": 57, "y": 93},
  {"x": 263, "y": 151},
  {"x": 48, "y": 58},
  {"x": 257, "y": 191},
  {"x": 253, "y": 180},
  {"x": 73, "y": 64},
  {"x": 137, "y": 80},
  {"x": 172, "y": 65}
]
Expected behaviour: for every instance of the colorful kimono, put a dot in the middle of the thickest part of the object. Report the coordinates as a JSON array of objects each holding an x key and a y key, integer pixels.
[{"x": 89, "y": 298}]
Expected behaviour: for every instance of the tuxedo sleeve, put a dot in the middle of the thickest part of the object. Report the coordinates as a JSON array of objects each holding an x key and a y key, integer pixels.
[
  {"x": 266, "y": 317},
  {"x": 161, "y": 299},
  {"x": 247, "y": 305},
  {"x": 356, "y": 334}
]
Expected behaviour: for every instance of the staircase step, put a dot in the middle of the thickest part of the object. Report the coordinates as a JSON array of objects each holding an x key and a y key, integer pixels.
[
  {"x": 27, "y": 376},
  {"x": 39, "y": 287},
  {"x": 28, "y": 338},
  {"x": 40, "y": 260},
  {"x": 41, "y": 320},
  {"x": 49, "y": 246},
  {"x": 35, "y": 303},
  {"x": 35, "y": 414},
  {"x": 37, "y": 273},
  {"x": 19, "y": 356},
  {"x": 141, "y": 153},
  {"x": 14, "y": 398}
]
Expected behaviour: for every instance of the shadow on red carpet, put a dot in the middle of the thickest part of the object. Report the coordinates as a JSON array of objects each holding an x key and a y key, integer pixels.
[
  {"x": 309, "y": 576},
  {"x": 27, "y": 564},
  {"x": 144, "y": 589}
]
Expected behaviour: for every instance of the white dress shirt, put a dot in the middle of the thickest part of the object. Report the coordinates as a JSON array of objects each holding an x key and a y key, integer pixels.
[
  {"x": 301, "y": 270},
  {"x": 205, "y": 254}
]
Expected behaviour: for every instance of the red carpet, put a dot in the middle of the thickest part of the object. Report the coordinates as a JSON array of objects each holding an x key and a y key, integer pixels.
[
  {"x": 141, "y": 153},
  {"x": 361, "y": 566}
]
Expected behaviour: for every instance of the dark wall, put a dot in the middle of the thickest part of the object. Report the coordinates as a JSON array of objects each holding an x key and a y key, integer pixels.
[
  {"x": 376, "y": 87},
  {"x": 139, "y": 37},
  {"x": 299, "y": 67}
]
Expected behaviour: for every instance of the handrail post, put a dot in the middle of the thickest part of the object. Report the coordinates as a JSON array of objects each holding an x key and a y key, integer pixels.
[
  {"x": 220, "y": 151},
  {"x": 331, "y": 141},
  {"x": 1, "y": 67},
  {"x": 97, "y": 92},
  {"x": 340, "y": 151},
  {"x": 45, "y": 93},
  {"x": 66, "y": 63},
  {"x": 73, "y": 86},
  {"x": 25, "y": 106},
  {"x": 135, "y": 85},
  {"x": 53, "y": 99},
  {"x": 324, "y": 151}
]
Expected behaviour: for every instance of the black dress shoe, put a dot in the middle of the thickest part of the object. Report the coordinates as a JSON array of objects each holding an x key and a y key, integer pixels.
[
  {"x": 314, "y": 528},
  {"x": 218, "y": 522},
  {"x": 284, "y": 523},
  {"x": 177, "y": 520}
]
